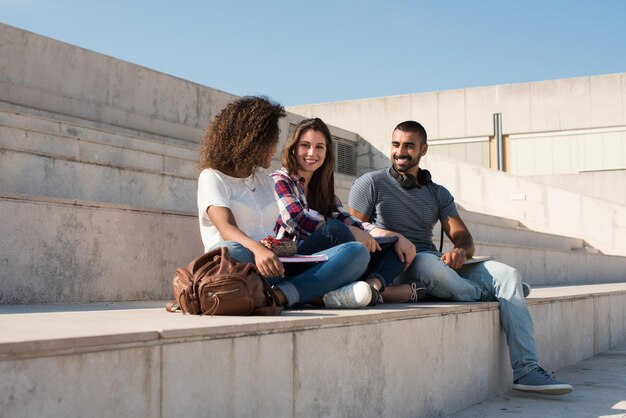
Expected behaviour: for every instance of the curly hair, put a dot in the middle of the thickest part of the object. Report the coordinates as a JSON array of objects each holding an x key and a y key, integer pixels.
[
  {"x": 240, "y": 136},
  {"x": 321, "y": 196}
]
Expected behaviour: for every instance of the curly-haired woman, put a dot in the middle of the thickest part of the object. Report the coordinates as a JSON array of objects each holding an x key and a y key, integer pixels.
[
  {"x": 237, "y": 207},
  {"x": 311, "y": 214}
]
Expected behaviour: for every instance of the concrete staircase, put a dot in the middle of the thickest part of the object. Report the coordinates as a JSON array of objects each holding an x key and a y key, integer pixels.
[
  {"x": 92, "y": 212},
  {"x": 542, "y": 258},
  {"x": 97, "y": 209},
  {"x": 86, "y": 203},
  {"x": 97, "y": 217},
  {"x": 89, "y": 202}
]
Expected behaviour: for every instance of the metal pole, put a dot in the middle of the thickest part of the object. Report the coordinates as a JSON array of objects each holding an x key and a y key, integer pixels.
[{"x": 497, "y": 133}]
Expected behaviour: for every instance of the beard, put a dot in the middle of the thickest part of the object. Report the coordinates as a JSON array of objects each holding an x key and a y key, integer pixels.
[{"x": 406, "y": 165}]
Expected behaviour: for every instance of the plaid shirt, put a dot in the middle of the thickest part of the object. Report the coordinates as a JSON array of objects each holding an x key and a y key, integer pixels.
[{"x": 294, "y": 220}]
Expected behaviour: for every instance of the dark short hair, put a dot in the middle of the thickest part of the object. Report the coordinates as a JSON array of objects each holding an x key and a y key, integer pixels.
[{"x": 412, "y": 126}]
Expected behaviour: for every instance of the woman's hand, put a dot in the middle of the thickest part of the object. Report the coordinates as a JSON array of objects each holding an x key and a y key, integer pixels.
[
  {"x": 364, "y": 238},
  {"x": 267, "y": 262}
]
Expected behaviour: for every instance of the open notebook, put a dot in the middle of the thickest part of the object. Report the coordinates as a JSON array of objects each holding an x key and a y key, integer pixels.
[
  {"x": 304, "y": 258},
  {"x": 478, "y": 259}
]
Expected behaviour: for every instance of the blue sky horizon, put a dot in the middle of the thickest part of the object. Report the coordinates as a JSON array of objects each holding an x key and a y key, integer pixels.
[{"x": 300, "y": 53}]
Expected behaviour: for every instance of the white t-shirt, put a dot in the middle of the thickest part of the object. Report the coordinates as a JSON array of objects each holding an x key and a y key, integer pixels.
[{"x": 254, "y": 211}]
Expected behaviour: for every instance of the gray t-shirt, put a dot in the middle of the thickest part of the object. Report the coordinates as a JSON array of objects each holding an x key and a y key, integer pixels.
[{"x": 410, "y": 212}]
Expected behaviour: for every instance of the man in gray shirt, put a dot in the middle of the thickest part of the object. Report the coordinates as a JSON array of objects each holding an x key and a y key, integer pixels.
[{"x": 403, "y": 199}]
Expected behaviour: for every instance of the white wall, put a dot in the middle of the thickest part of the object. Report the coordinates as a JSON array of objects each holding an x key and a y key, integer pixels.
[{"x": 554, "y": 110}]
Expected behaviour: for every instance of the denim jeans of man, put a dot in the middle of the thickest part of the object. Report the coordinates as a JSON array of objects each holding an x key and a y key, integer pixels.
[
  {"x": 385, "y": 264},
  {"x": 346, "y": 263},
  {"x": 485, "y": 281}
]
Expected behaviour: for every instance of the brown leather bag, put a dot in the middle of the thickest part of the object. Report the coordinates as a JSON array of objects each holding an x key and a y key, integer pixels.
[{"x": 215, "y": 284}]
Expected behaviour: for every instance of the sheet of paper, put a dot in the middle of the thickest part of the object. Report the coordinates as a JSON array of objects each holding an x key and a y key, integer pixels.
[{"x": 304, "y": 258}]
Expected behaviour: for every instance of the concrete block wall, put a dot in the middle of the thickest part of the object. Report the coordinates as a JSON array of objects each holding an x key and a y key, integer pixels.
[{"x": 460, "y": 122}]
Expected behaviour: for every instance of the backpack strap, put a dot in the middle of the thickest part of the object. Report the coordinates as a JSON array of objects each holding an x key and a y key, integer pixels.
[
  {"x": 276, "y": 308},
  {"x": 172, "y": 306}
]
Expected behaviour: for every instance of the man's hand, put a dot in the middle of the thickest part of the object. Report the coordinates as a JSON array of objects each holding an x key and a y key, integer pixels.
[
  {"x": 364, "y": 238},
  {"x": 455, "y": 229},
  {"x": 455, "y": 258},
  {"x": 405, "y": 250}
]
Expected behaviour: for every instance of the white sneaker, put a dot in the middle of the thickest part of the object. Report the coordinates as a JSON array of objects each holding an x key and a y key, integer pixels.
[{"x": 351, "y": 296}]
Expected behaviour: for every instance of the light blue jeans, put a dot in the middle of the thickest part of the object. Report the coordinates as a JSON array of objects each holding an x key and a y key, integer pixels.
[
  {"x": 486, "y": 281},
  {"x": 346, "y": 263}
]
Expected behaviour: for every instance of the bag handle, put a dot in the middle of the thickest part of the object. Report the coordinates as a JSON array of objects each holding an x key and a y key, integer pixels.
[
  {"x": 172, "y": 306},
  {"x": 276, "y": 307}
]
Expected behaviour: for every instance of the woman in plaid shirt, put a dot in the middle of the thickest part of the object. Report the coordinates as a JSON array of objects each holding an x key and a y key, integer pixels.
[{"x": 311, "y": 214}]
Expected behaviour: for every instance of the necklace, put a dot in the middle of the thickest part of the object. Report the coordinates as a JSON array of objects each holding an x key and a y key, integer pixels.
[{"x": 253, "y": 187}]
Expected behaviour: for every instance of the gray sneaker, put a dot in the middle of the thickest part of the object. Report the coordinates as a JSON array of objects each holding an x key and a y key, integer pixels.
[
  {"x": 526, "y": 289},
  {"x": 351, "y": 296},
  {"x": 540, "y": 381}
]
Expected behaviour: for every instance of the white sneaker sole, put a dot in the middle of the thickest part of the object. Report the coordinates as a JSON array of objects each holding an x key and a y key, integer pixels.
[
  {"x": 547, "y": 389},
  {"x": 351, "y": 296}
]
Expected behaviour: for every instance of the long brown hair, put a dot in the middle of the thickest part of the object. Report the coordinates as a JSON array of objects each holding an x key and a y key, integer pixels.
[
  {"x": 240, "y": 136},
  {"x": 321, "y": 187}
]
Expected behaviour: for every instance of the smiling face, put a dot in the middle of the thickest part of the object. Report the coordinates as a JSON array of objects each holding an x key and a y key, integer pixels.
[
  {"x": 310, "y": 152},
  {"x": 407, "y": 148}
]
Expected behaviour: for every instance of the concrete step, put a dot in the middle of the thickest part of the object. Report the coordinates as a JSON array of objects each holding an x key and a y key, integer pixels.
[
  {"x": 515, "y": 236},
  {"x": 58, "y": 176},
  {"x": 63, "y": 360},
  {"x": 553, "y": 267},
  {"x": 69, "y": 251},
  {"x": 484, "y": 219},
  {"x": 524, "y": 237},
  {"x": 547, "y": 266},
  {"x": 100, "y": 146},
  {"x": 68, "y": 124},
  {"x": 78, "y": 149}
]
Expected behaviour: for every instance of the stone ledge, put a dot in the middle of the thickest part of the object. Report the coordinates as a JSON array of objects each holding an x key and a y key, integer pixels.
[
  {"x": 42, "y": 330},
  {"x": 419, "y": 360}
]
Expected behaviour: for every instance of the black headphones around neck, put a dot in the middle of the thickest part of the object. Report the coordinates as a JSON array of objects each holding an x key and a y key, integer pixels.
[{"x": 409, "y": 181}]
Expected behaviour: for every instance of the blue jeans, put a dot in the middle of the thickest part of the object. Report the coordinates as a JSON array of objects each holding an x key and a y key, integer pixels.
[
  {"x": 346, "y": 263},
  {"x": 486, "y": 281},
  {"x": 384, "y": 264}
]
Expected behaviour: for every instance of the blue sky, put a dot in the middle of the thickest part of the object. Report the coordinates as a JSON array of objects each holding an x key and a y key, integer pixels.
[{"x": 310, "y": 52}]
